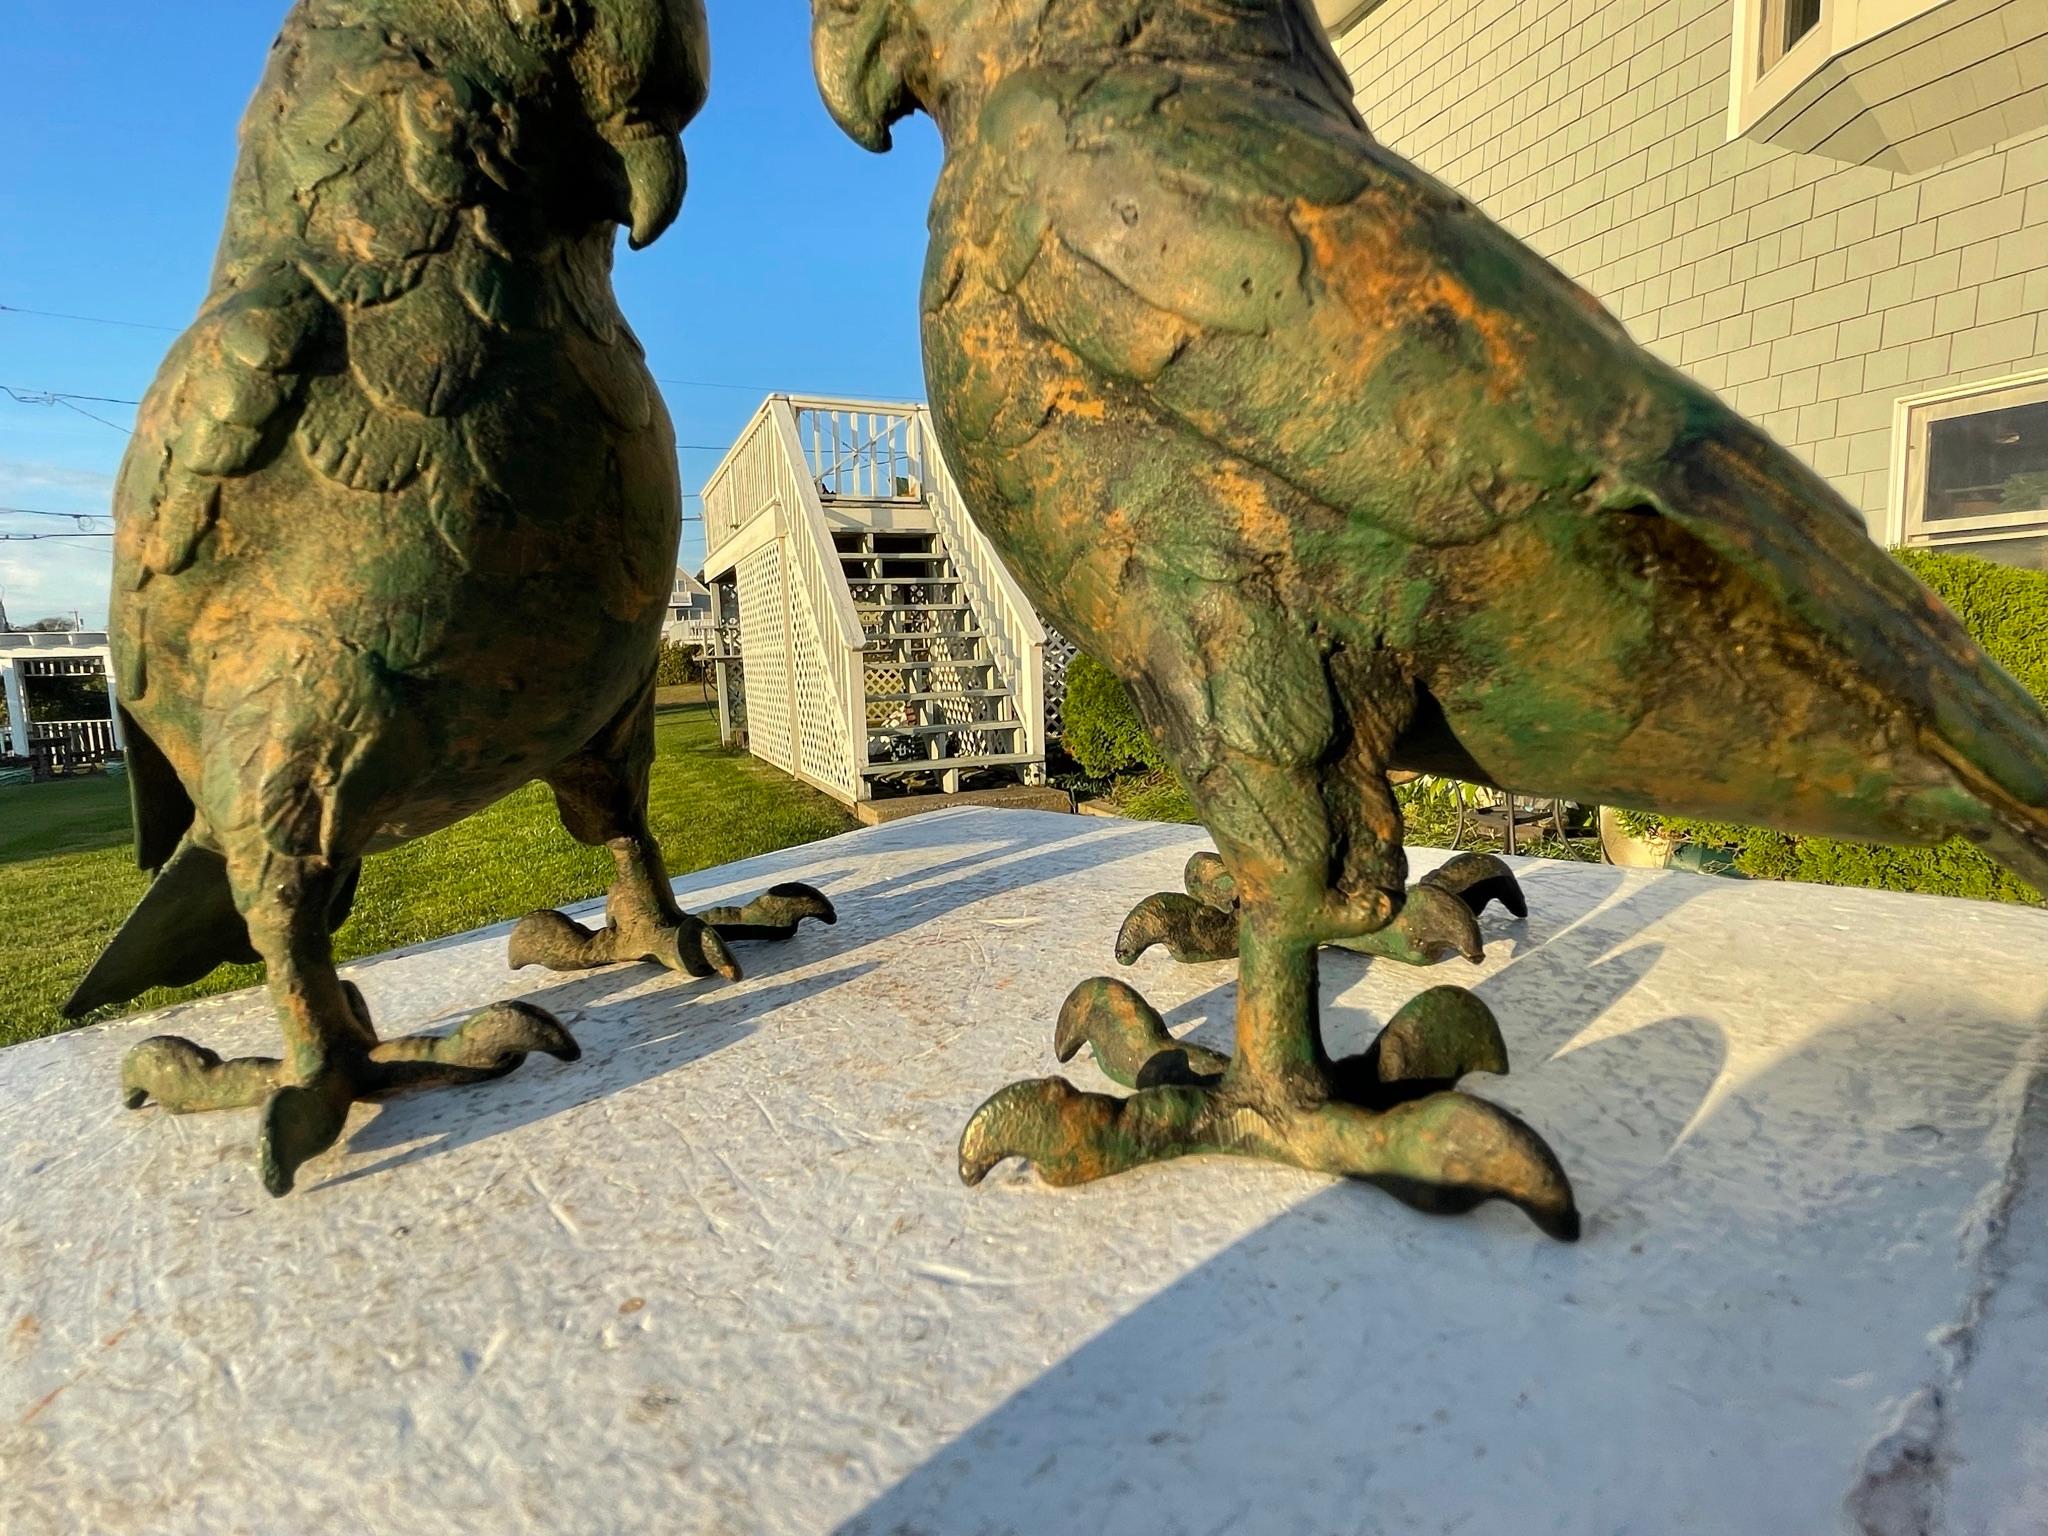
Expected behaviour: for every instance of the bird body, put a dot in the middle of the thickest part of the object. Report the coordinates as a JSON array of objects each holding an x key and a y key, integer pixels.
[
  {"x": 398, "y": 528},
  {"x": 1343, "y": 480},
  {"x": 366, "y": 479},
  {"x": 1582, "y": 564}
]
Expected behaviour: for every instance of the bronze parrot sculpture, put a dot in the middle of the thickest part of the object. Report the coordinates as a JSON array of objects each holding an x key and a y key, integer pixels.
[
  {"x": 1342, "y": 479},
  {"x": 398, "y": 527}
]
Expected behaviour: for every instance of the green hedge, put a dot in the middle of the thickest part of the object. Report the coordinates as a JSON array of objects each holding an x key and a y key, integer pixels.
[
  {"x": 2006, "y": 608},
  {"x": 1099, "y": 725},
  {"x": 677, "y": 666}
]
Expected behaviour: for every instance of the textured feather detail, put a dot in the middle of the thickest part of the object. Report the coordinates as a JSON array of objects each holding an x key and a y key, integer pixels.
[
  {"x": 1421, "y": 318},
  {"x": 217, "y": 405},
  {"x": 617, "y": 376},
  {"x": 350, "y": 441},
  {"x": 157, "y": 800},
  {"x": 420, "y": 354},
  {"x": 584, "y": 272},
  {"x": 1776, "y": 520},
  {"x": 505, "y": 294}
]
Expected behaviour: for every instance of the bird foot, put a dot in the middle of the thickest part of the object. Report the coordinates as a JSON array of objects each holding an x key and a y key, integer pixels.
[
  {"x": 1390, "y": 1116},
  {"x": 695, "y": 946},
  {"x": 301, "y": 1118},
  {"x": 774, "y": 914},
  {"x": 1438, "y": 919}
]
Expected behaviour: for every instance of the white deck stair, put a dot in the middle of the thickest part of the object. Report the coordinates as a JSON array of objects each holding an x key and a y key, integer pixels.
[{"x": 879, "y": 636}]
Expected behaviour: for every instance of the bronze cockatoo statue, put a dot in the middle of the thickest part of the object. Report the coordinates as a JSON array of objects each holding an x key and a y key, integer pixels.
[
  {"x": 1342, "y": 479},
  {"x": 398, "y": 528}
]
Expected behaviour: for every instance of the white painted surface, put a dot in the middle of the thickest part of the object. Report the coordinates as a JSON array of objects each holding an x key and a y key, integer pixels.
[{"x": 719, "y": 1276}]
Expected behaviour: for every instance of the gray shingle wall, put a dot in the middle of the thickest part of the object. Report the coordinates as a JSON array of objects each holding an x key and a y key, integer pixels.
[{"x": 1810, "y": 293}]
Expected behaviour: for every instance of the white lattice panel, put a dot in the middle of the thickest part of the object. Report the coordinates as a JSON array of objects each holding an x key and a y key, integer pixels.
[
  {"x": 820, "y": 732},
  {"x": 764, "y": 641}
]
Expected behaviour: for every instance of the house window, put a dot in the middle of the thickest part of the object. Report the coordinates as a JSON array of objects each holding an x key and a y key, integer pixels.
[
  {"x": 1785, "y": 22},
  {"x": 1977, "y": 472}
]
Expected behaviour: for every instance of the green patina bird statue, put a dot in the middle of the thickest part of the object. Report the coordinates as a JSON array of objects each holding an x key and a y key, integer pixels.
[
  {"x": 398, "y": 528},
  {"x": 1342, "y": 479}
]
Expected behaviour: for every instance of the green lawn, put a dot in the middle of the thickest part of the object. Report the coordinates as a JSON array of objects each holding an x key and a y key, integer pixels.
[{"x": 67, "y": 877}]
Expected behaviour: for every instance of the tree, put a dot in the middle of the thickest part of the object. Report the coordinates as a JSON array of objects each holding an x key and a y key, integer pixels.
[{"x": 52, "y": 626}]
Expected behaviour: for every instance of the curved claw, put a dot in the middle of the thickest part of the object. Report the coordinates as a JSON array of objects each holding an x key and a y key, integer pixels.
[
  {"x": 1433, "y": 925},
  {"x": 774, "y": 914},
  {"x": 1208, "y": 880},
  {"x": 1444, "y": 1154},
  {"x": 1191, "y": 930},
  {"x": 548, "y": 938},
  {"x": 1129, "y": 1038},
  {"x": 1479, "y": 878},
  {"x": 485, "y": 1045},
  {"x": 694, "y": 948},
  {"x": 562, "y": 944},
  {"x": 1071, "y": 1137},
  {"x": 1017, "y": 1121},
  {"x": 300, "y": 1121},
  {"x": 185, "y": 1078},
  {"x": 1439, "y": 1037}
]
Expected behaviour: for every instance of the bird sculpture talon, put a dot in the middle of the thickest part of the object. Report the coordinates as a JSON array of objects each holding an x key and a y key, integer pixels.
[
  {"x": 1191, "y": 929},
  {"x": 1438, "y": 917},
  {"x": 1478, "y": 879},
  {"x": 774, "y": 914},
  {"x": 1390, "y": 1116},
  {"x": 303, "y": 1118},
  {"x": 560, "y": 943},
  {"x": 185, "y": 1078},
  {"x": 695, "y": 945}
]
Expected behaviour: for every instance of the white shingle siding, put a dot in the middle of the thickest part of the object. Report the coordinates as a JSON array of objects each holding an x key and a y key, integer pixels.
[{"x": 1812, "y": 294}]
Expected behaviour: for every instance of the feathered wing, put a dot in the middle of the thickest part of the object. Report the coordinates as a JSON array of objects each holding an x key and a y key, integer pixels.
[
  {"x": 355, "y": 302},
  {"x": 1462, "y": 382}
]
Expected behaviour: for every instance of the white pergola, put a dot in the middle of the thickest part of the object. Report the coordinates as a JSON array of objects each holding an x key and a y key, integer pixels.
[{"x": 39, "y": 653}]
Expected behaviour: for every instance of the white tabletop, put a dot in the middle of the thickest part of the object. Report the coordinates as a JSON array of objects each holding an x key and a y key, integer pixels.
[{"x": 720, "y": 1275}]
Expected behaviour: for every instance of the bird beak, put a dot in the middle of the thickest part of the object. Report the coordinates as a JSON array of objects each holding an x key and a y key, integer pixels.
[
  {"x": 656, "y": 176},
  {"x": 854, "y": 49}
]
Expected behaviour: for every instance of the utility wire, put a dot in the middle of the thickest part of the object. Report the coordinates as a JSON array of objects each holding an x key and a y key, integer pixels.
[
  {"x": 21, "y": 394},
  {"x": 89, "y": 416},
  {"x": 39, "y": 512},
  {"x": 51, "y": 314},
  {"x": 144, "y": 325}
]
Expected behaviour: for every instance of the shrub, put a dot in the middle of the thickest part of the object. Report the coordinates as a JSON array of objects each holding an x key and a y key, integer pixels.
[
  {"x": 1100, "y": 727},
  {"x": 676, "y": 667},
  {"x": 2006, "y": 609}
]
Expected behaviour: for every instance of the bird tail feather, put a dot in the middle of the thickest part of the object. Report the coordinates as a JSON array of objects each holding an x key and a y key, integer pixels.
[
  {"x": 185, "y": 925},
  {"x": 1742, "y": 493}
]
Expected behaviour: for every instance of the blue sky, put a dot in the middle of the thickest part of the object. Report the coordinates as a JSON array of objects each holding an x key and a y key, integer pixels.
[{"x": 793, "y": 267}]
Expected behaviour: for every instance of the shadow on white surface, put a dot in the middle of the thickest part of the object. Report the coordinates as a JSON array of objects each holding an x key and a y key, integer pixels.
[{"x": 1765, "y": 1211}]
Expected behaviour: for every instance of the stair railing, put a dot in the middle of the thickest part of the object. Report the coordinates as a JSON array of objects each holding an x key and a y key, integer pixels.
[
  {"x": 819, "y": 597},
  {"x": 767, "y": 473},
  {"x": 1016, "y": 637},
  {"x": 858, "y": 449}
]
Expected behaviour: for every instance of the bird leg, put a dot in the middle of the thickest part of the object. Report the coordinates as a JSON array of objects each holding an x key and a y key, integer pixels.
[
  {"x": 333, "y": 1057},
  {"x": 1391, "y": 1116},
  {"x": 1438, "y": 917},
  {"x": 602, "y": 796}
]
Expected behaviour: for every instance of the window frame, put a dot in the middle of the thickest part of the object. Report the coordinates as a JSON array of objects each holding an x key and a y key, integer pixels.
[
  {"x": 1756, "y": 89},
  {"x": 1770, "y": 11},
  {"x": 1912, "y": 415}
]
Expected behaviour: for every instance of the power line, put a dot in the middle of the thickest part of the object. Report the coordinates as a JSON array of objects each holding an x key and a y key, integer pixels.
[
  {"x": 51, "y": 314},
  {"x": 38, "y": 538},
  {"x": 89, "y": 416},
  {"x": 146, "y": 325},
  {"x": 21, "y": 394}
]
